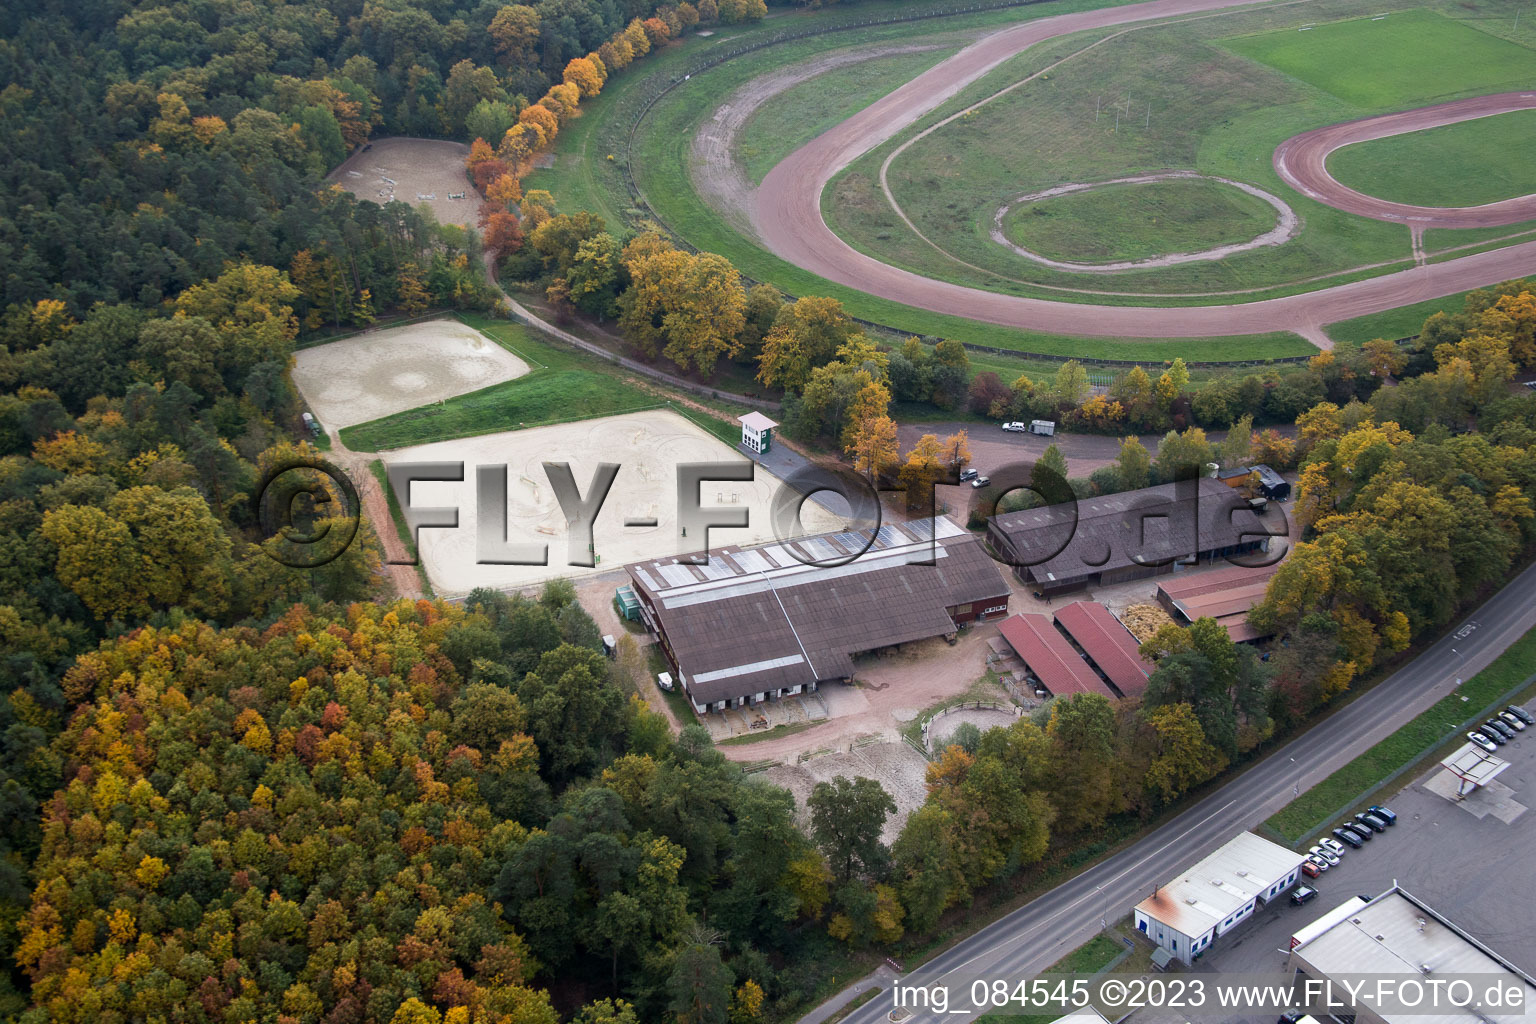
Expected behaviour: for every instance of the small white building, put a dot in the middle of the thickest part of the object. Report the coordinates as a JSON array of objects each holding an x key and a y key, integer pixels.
[
  {"x": 756, "y": 432},
  {"x": 1217, "y": 894}
]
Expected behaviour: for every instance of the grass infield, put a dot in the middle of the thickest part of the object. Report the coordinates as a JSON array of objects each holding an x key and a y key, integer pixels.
[{"x": 1469, "y": 163}]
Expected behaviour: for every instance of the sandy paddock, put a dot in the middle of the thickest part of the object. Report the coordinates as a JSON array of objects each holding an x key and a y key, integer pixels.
[
  {"x": 421, "y": 172},
  {"x": 942, "y": 729},
  {"x": 381, "y": 372},
  {"x": 897, "y": 767},
  {"x": 647, "y": 447}
]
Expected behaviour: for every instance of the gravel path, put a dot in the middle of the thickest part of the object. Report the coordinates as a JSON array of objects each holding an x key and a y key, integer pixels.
[{"x": 787, "y": 217}]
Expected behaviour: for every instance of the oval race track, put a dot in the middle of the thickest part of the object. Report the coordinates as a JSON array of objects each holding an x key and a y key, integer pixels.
[{"x": 787, "y": 213}]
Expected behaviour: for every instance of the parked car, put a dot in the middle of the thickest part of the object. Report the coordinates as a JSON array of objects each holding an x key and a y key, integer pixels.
[
  {"x": 1347, "y": 837},
  {"x": 1322, "y": 853},
  {"x": 1358, "y": 829},
  {"x": 1491, "y": 734},
  {"x": 1015, "y": 427},
  {"x": 1522, "y": 714},
  {"x": 1310, "y": 869},
  {"x": 967, "y": 474},
  {"x": 1386, "y": 814},
  {"x": 1499, "y": 728},
  {"x": 1317, "y": 862},
  {"x": 1511, "y": 721},
  {"x": 1483, "y": 741},
  {"x": 1371, "y": 822},
  {"x": 1303, "y": 895},
  {"x": 981, "y": 481},
  {"x": 1333, "y": 846}
]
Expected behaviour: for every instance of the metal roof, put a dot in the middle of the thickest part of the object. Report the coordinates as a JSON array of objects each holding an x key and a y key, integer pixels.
[
  {"x": 1153, "y": 525},
  {"x": 1398, "y": 934},
  {"x": 1207, "y": 893},
  {"x": 761, "y": 619},
  {"x": 1474, "y": 765},
  {"x": 1059, "y": 668},
  {"x": 1107, "y": 643},
  {"x": 756, "y": 421}
]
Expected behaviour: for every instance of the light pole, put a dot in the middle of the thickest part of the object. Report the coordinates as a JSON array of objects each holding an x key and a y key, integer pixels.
[
  {"x": 1460, "y": 664},
  {"x": 1296, "y": 785},
  {"x": 1104, "y": 912}
]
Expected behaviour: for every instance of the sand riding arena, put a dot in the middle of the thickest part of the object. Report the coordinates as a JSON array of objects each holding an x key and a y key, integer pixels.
[
  {"x": 377, "y": 373},
  {"x": 421, "y": 172},
  {"x": 647, "y": 446}
]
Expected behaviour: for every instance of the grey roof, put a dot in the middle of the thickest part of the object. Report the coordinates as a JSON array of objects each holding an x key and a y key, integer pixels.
[
  {"x": 1397, "y": 934},
  {"x": 1218, "y": 886},
  {"x": 761, "y": 619},
  {"x": 1158, "y": 524}
]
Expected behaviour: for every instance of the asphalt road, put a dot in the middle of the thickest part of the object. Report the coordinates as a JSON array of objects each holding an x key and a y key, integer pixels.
[
  {"x": 787, "y": 217},
  {"x": 1038, "y": 934}
]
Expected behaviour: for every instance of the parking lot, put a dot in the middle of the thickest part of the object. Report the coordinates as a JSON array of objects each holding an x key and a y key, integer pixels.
[{"x": 1473, "y": 861}]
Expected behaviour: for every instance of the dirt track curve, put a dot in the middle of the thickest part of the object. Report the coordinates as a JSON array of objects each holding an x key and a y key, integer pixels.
[
  {"x": 1301, "y": 162},
  {"x": 787, "y": 214}
]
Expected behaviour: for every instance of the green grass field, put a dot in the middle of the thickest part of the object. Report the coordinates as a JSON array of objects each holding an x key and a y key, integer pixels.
[
  {"x": 1132, "y": 222},
  {"x": 1403, "y": 322},
  {"x": 1464, "y": 164},
  {"x": 1183, "y": 98},
  {"x": 570, "y": 386},
  {"x": 1405, "y": 59},
  {"x": 800, "y": 113},
  {"x": 1442, "y": 722}
]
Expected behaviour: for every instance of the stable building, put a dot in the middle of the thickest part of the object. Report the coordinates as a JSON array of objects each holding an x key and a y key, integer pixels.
[
  {"x": 1397, "y": 934},
  {"x": 1116, "y": 538},
  {"x": 1212, "y": 897},
  {"x": 1226, "y": 595},
  {"x": 1107, "y": 644},
  {"x": 780, "y": 619},
  {"x": 1050, "y": 663}
]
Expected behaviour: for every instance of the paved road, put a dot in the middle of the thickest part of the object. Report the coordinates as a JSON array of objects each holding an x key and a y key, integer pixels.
[
  {"x": 1039, "y": 933},
  {"x": 1301, "y": 161},
  {"x": 787, "y": 217}
]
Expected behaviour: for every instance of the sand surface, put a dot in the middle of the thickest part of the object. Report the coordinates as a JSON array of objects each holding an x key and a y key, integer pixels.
[
  {"x": 647, "y": 446},
  {"x": 422, "y": 172},
  {"x": 381, "y": 372}
]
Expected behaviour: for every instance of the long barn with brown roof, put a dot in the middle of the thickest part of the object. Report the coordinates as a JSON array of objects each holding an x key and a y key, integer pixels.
[{"x": 764, "y": 622}]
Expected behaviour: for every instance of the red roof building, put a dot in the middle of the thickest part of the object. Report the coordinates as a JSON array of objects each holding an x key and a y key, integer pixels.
[
  {"x": 1050, "y": 658},
  {"x": 1108, "y": 644}
]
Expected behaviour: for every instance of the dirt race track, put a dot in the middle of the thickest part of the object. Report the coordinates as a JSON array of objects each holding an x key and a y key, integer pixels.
[
  {"x": 1301, "y": 161},
  {"x": 787, "y": 214}
]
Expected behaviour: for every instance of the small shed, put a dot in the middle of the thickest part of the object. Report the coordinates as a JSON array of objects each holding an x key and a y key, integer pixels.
[
  {"x": 629, "y": 604},
  {"x": 756, "y": 432},
  {"x": 1271, "y": 484}
]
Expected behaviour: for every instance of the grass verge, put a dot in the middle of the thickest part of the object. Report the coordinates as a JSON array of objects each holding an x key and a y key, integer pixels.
[{"x": 1425, "y": 735}]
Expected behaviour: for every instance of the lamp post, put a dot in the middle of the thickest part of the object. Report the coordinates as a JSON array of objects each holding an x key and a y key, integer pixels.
[
  {"x": 1460, "y": 664},
  {"x": 1104, "y": 911},
  {"x": 1296, "y": 783}
]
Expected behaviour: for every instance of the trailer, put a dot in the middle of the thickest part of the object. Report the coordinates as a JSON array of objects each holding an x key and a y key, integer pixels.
[{"x": 1045, "y": 428}]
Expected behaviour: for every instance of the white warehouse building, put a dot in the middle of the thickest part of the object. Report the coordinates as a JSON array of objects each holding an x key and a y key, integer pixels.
[{"x": 1212, "y": 897}]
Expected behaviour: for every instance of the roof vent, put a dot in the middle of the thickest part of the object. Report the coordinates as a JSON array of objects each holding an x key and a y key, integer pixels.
[
  {"x": 1381, "y": 938},
  {"x": 1190, "y": 900},
  {"x": 1421, "y": 924}
]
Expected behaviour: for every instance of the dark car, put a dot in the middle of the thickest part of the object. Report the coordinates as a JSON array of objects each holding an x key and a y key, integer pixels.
[
  {"x": 1499, "y": 727},
  {"x": 1347, "y": 837},
  {"x": 1522, "y": 714},
  {"x": 1303, "y": 895},
  {"x": 1386, "y": 814},
  {"x": 1363, "y": 831},
  {"x": 1371, "y": 822}
]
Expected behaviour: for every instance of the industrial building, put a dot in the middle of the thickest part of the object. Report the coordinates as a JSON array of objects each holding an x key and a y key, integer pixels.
[
  {"x": 1396, "y": 934},
  {"x": 1226, "y": 595},
  {"x": 1106, "y": 643},
  {"x": 759, "y": 623},
  {"x": 1133, "y": 535},
  {"x": 1212, "y": 897}
]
